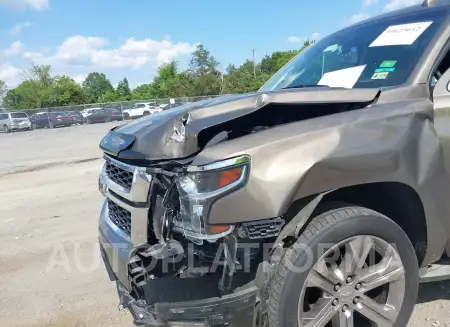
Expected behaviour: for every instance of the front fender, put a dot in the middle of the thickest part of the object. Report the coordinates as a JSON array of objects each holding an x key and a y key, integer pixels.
[{"x": 392, "y": 142}]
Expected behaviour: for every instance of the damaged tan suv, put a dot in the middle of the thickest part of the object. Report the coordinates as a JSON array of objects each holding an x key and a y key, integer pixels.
[{"x": 322, "y": 200}]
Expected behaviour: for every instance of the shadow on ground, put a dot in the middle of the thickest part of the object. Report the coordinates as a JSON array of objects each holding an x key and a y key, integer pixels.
[{"x": 431, "y": 292}]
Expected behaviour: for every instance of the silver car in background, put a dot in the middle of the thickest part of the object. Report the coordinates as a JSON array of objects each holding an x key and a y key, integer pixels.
[{"x": 14, "y": 121}]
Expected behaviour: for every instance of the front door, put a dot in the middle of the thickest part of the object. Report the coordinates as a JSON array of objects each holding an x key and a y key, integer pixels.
[{"x": 441, "y": 99}]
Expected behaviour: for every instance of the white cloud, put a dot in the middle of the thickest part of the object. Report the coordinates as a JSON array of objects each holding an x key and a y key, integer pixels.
[
  {"x": 295, "y": 39},
  {"x": 358, "y": 17},
  {"x": 91, "y": 51},
  {"x": 397, "y": 4},
  {"x": 79, "y": 78},
  {"x": 16, "y": 29},
  {"x": 10, "y": 75},
  {"x": 79, "y": 49},
  {"x": 39, "y": 5},
  {"x": 15, "y": 49},
  {"x": 152, "y": 50},
  {"x": 367, "y": 3},
  {"x": 33, "y": 55},
  {"x": 315, "y": 36}
]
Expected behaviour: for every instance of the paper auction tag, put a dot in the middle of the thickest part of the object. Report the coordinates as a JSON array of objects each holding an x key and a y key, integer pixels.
[{"x": 404, "y": 34}]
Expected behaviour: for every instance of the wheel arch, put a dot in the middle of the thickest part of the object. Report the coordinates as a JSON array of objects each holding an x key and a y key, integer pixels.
[{"x": 398, "y": 201}]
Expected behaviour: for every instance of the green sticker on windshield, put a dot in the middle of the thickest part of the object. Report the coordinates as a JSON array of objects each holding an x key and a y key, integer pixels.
[
  {"x": 380, "y": 75},
  {"x": 388, "y": 63},
  {"x": 383, "y": 70}
]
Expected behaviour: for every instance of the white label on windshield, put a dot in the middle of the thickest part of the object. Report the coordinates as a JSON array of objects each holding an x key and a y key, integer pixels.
[
  {"x": 404, "y": 34},
  {"x": 342, "y": 78}
]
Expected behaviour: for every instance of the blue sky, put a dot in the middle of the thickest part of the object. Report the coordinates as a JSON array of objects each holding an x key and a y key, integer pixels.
[{"x": 131, "y": 38}]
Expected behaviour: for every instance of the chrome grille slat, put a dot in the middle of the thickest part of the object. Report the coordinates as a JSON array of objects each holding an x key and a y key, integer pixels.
[
  {"x": 119, "y": 175},
  {"x": 120, "y": 217},
  {"x": 125, "y": 185}
]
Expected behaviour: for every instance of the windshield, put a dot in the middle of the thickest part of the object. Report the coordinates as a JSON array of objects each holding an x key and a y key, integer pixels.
[
  {"x": 376, "y": 54},
  {"x": 19, "y": 115}
]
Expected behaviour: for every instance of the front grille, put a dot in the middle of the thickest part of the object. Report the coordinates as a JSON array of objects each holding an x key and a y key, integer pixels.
[
  {"x": 120, "y": 217},
  {"x": 119, "y": 175}
]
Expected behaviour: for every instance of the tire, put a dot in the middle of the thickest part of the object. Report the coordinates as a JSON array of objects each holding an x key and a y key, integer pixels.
[
  {"x": 146, "y": 113},
  {"x": 108, "y": 120},
  {"x": 33, "y": 126},
  {"x": 6, "y": 129},
  {"x": 287, "y": 287},
  {"x": 126, "y": 116}
]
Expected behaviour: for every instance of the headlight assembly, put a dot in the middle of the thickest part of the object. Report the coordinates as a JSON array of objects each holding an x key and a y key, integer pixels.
[{"x": 200, "y": 187}]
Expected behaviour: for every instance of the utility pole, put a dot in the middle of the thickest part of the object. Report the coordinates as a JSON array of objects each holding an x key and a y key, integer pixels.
[{"x": 254, "y": 64}]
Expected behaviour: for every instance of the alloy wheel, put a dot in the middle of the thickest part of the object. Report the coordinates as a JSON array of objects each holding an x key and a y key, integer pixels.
[{"x": 357, "y": 283}]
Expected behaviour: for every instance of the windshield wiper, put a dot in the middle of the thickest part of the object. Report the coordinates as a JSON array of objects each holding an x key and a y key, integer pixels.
[{"x": 301, "y": 86}]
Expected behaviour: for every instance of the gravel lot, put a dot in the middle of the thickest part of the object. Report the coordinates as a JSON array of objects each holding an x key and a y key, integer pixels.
[{"x": 51, "y": 273}]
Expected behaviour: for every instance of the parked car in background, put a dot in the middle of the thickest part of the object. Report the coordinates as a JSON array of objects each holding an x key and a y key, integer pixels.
[
  {"x": 141, "y": 109},
  {"x": 11, "y": 121},
  {"x": 50, "y": 119},
  {"x": 76, "y": 117},
  {"x": 86, "y": 112},
  {"x": 39, "y": 120},
  {"x": 103, "y": 116}
]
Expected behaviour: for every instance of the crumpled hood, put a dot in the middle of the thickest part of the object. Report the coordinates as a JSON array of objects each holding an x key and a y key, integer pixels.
[{"x": 174, "y": 133}]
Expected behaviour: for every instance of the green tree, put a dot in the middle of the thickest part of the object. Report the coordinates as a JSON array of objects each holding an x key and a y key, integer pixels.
[
  {"x": 40, "y": 90},
  {"x": 65, "y": 91},
  {"x": 40, "y": 74},
  {"x": 110, "y": 96},
  {"x": 144, "y": 92},
  {"x": 35, "y": 91},
  {"x": 207, "y": 78},
  {"x": 165, "y": 81},
  {"x": 242, "y": 79},
  {"x": 26, "y": 95},
  {"x": 123, "y": 90},
  {"x": 95, "y": 86}
]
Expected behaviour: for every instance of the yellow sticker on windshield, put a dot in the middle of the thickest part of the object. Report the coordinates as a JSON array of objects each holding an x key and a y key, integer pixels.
[{"x": 380, "y": 75}]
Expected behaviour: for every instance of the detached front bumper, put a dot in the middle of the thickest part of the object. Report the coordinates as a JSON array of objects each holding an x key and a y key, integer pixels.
[{"x": 233, "y": 310}]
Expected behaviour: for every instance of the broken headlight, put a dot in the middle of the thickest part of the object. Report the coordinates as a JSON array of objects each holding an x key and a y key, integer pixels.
[{"x": 199, "y": 188}]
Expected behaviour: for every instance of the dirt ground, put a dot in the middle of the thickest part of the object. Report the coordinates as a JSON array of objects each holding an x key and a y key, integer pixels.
[{"x": 51, "y": 273}]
